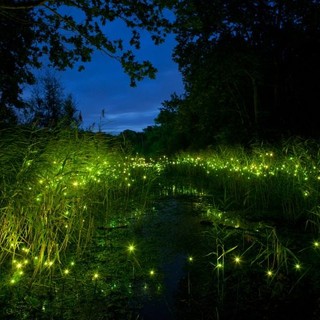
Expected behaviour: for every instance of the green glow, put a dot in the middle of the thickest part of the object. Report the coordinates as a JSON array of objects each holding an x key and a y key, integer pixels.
[
  {"x": 66, "y": 271},
  {"x": 237, "y": 259},
  {"x": 269, "y": 273},
  {"x": 297, "y": 266},
  {"x": 152, "y": 273},
  {"x": 131, "y": 248}
]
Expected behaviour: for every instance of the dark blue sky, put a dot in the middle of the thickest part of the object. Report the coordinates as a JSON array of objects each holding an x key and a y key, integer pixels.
[{"x": 104, "y": 85}]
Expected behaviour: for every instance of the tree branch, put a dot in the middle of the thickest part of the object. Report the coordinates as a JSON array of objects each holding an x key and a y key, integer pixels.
[
  {"x": 21, "y": 5},
  {"x": 74, "y": 27}
]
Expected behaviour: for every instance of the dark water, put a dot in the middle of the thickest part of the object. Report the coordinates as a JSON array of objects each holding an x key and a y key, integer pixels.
[
  {"x": 172, "y": 274},
  {"x": 178, "y": 238},
  {"x": 198, "y": 290}
]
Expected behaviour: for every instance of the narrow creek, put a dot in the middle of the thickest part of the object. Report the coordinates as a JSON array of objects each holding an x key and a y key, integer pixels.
[
  {"x": 177, "y": 238},
  {"x": 185, "y": 251},
  {"x": 170, "y": 264}
]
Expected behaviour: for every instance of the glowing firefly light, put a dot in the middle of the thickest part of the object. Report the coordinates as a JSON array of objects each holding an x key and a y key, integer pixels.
[
  {"x": 190, "y": 258},
  {"x": 152, "y": 272},
  {"x": 131, "y": 248},
  {"x": 49, "y": 264},
  {"x": 297, "y": 266},
  {"x": 269, "y": 273},
  {"x": 95, "y": 276},
  {"x": 237, "y": 260}
]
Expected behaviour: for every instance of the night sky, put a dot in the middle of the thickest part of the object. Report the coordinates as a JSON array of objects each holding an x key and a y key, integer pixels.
[{"x": 103, "y": 85}]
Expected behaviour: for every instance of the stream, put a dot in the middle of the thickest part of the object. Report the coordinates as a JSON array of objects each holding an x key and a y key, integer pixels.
[
  {"x": 178, "y": 240},
  {"x": 171, "y": 263}
]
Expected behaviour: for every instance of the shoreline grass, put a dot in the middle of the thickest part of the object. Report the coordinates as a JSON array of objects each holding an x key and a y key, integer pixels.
[{"x": 58, "y": 188}]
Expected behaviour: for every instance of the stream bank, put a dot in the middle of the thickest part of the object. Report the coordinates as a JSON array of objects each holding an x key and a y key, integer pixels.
[{"x": 175, "y": 262}]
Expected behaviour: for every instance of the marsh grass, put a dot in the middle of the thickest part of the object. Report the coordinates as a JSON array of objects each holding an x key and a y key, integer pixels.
[
  {"x": 281, "y": 180},
  {"x": 57, "y": 187}
]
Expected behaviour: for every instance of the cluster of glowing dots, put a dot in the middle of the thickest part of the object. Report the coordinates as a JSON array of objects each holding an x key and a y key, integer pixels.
[
  {"x": 18, "y": 266},
  {"x": 263, "y": 166},
  {"x": 98, "y": 170},
  {"x": 297, "y": 266},
  {"x": 67, "y": 270},
  {"x": 101, "y": 169}
]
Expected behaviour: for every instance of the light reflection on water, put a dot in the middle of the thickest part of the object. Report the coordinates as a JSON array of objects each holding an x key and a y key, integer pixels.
[{"x": 145, "y": 271}]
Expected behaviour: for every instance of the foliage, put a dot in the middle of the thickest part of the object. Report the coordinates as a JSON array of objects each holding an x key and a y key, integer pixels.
[
  {"x": 266, "y": 183},
  {"x": 68, "y": 32},
  {"x": 56, "y": 186},
  {"x": 18, "y": 55},
  {"x": 49, "y": 107},
  {"x": 249, "y": 69},
  {"x": 69, "y": 196}
]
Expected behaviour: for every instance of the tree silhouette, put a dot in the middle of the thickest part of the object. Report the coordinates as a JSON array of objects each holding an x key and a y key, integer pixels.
[
  {"x": 67, "y": 33},
  {"x": 50, "y": 108},
  {"x": 249, "y": 67}
]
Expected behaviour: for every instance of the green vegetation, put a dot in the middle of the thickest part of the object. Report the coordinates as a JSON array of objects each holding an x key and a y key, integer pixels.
[
  {"x": 282, "y": 181},
  {"x": 57, "y": 187},
  {"x": 63, "y": 192}
]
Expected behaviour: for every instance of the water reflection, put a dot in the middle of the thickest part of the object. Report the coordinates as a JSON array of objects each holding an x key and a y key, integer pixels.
[{"x": 182, "y": 260}]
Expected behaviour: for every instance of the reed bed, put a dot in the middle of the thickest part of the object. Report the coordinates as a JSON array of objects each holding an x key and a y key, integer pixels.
[
  {"x": 281, "y": 183},
  {"x": 57, "y": 188}
]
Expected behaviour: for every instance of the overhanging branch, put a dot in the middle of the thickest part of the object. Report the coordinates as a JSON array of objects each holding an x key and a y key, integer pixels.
[{"x": 21, "y": 5}]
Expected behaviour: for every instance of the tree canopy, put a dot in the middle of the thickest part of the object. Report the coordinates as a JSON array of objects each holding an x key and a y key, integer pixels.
[
  {"x": 68, "y": 32},
  {"x": 50, "y": 107},
  {"x": 250, "y": 69}
]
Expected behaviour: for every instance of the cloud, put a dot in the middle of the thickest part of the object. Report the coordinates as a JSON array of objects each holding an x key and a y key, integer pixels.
[
  {"x": 103, "y": 85},
  {"x": 116, "y": 123}
]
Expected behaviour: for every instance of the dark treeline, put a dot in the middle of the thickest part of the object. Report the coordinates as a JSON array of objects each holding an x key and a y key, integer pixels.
[
  {"x": 250, "y": 70},
  {"x": 35, "y": 34}
]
